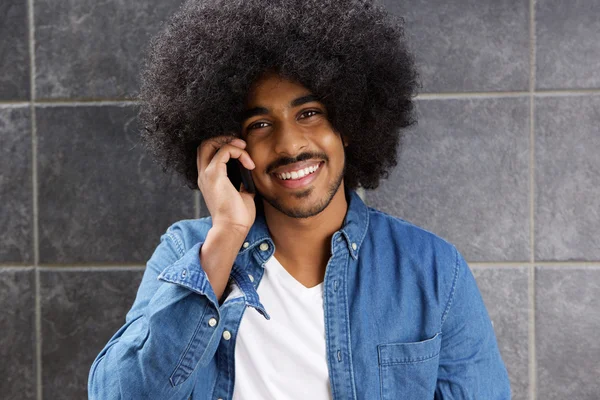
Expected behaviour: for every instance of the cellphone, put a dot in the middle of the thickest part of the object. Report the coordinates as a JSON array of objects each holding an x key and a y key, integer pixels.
[{"x": 237, "y": 174}]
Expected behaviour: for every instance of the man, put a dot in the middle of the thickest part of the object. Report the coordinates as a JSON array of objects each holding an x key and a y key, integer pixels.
[{"x": 299, "y": 290}]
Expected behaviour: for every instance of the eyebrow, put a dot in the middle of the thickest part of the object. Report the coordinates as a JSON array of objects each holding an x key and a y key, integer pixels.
[{"x": 251, "y": 112}]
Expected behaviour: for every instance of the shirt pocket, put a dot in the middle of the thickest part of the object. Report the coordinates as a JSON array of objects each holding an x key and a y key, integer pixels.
[{"x": 409, "y": 370}]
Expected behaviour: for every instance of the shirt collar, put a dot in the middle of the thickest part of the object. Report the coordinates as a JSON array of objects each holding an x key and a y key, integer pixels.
[
  {"x": 353, "y": 230},
  {"x": 356, "y": 223}
]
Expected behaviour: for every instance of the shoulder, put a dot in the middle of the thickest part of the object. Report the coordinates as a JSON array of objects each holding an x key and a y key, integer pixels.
[
  {"x": 409, "y": 249},
  {"x": 407, "y": 236},
  {"x": 405, "y": 249}
]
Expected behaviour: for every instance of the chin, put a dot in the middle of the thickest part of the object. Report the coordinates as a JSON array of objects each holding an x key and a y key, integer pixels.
[
  {"x": 298, "y": 211},
  {"x": 305, "y": 203}
]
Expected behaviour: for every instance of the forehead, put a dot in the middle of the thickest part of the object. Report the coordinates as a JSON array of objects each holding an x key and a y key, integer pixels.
[{"x": 272, "y": 89}]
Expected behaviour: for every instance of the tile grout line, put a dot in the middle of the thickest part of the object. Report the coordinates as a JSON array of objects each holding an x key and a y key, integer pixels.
[
  {"x": 197, "y": 204},
  {"x": 509, "y": 94},
  {"x": 565, "y": 93},
  {"x": 470, "y": 95},
  {"x": 563, "y": 265},
  {"x": 34, "y": 190},
  {"x": 97, "y": 103},
  {"x": 15, "y": 104},
  {"x": 92, "y": 268},
  {"x": 531, "y": 274},
  {"x": 513, "y": 264},
  {"x": 422, "y": 96},
  {"x": 75, "y": 266},
  {"x": 38, "y": 334}
]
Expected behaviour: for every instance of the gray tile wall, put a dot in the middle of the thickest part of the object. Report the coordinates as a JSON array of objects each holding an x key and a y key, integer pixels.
[{"x": 504, "y": 163}]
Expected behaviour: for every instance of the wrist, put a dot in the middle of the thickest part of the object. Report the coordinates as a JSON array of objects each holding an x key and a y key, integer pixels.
[{"x": 229, "y": 233}]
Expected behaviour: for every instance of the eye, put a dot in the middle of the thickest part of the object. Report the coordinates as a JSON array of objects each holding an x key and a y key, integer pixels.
[
  {"x": 315, "y": 112},
  {"x": 262, "y": 124},
  {"x": 256, "y": 126}
]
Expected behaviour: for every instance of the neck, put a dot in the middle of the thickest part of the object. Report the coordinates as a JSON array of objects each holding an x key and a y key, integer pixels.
[{"x": 306, "y": 242}]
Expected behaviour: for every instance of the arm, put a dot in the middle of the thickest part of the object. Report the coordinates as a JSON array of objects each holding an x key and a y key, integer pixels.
[
  {"x": 470, "y": 363},
  {"x": 167, "y": 334},
  {"x": 174, "y": 325}
]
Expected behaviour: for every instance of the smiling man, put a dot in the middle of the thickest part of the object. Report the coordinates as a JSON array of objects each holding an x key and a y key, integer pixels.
[
  {"x": 297, "y": 290},
  {"x": 310, "y": 148}
]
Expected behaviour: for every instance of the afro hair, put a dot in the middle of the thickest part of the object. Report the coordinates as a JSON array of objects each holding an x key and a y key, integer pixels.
[{"x": 351, "y": 54}]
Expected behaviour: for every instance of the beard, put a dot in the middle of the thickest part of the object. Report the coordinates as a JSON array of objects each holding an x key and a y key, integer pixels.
[{"x": 307, "y": 211}]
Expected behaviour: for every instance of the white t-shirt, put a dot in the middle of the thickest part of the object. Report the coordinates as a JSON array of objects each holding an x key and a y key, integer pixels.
[{"x": 283, "y": 358}]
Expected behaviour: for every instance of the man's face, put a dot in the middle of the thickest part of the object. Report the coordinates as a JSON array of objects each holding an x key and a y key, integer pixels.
[{"x": 299, "y": 158}]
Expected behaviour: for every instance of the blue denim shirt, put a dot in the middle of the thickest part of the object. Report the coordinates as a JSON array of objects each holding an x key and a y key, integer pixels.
[{"x": 404, "y": 318}]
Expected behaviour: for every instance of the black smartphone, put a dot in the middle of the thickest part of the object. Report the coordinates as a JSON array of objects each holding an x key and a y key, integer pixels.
[{"x": 237, "y": 174}]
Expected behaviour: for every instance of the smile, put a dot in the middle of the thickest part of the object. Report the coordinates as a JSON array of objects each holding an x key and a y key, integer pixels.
[
  {"x": 298, "y": 178},
  {"x": 298, "y": 174}
]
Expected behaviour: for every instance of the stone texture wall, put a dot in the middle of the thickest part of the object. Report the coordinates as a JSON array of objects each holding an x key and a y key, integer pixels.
[{"x": 503, "y": 163}]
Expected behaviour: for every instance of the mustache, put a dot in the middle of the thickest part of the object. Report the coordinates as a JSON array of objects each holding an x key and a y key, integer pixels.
[{"x": 280, "y": 162}]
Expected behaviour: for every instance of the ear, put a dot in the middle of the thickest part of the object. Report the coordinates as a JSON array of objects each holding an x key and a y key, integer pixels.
[{"x": 344, "y": 138}]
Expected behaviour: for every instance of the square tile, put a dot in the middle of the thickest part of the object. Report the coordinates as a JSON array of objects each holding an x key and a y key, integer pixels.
[
  {"x": 567, "y": 178},
  {"x": 468, "y": 45},
  {"x": 81, "y": 310},
  {"x": 87, "y": 49},
  {"x": 17, "y": 342},
  {"x": 101, "y": 196},
  {"x": 505, "y": 293},
  {"x": 567, "y": 37},
  {"x": 463, "y": 174},
  {"x": 566, "y": 327},
  {"x": 14, "y": 51},
  {"x": 16, "y": 213}
]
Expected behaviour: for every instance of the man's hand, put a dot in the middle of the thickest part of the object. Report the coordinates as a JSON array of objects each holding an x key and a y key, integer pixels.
[
  {"x": 228, "y": 208},
  {"x": 232, "y": 212}
]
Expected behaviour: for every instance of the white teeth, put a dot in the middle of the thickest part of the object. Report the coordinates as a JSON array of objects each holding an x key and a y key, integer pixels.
[{"x": 298, "y": 174}]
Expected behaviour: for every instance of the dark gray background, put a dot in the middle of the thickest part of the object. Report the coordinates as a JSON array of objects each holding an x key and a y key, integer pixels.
[{"x": 504, "y": 163}]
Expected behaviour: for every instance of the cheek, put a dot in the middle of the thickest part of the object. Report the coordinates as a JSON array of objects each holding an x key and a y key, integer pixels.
[
  {"x": 252, "y": 151},
  {"x": 257, "y": 156},
  {"x": 331, "y": 137},
  {"x": 333, "y": 145}
]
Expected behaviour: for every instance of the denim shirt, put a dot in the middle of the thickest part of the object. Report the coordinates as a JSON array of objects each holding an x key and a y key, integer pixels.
[{"x": 404, "y": 318}]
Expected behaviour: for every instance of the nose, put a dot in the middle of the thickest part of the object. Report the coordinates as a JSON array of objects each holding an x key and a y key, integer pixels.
[{"x": 290, "y": 139}]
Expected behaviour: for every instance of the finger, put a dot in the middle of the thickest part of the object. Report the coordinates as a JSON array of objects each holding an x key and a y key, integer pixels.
[
  {"x": 207, "y": 149},
  {"x": 226, "y": 153},
  {"x": 228, "y": 139}
]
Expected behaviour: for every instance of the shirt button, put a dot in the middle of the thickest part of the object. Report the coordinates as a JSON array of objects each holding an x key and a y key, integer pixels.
[
  {"x": 354, "y": 246},
  {"x": 264, "y": 246},
  {"x": 212, "y": 322},
  {"x": 251, "y": 278},
  {"x": 183, "y": 273},
  {"x": 226, "y": 335},
  {"x": 245, "y": 245}
]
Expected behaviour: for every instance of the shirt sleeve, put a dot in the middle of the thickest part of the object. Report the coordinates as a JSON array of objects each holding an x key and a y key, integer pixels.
[
  {"x": 470, "y": 365},
  {"x": 172, "y": 328}
]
